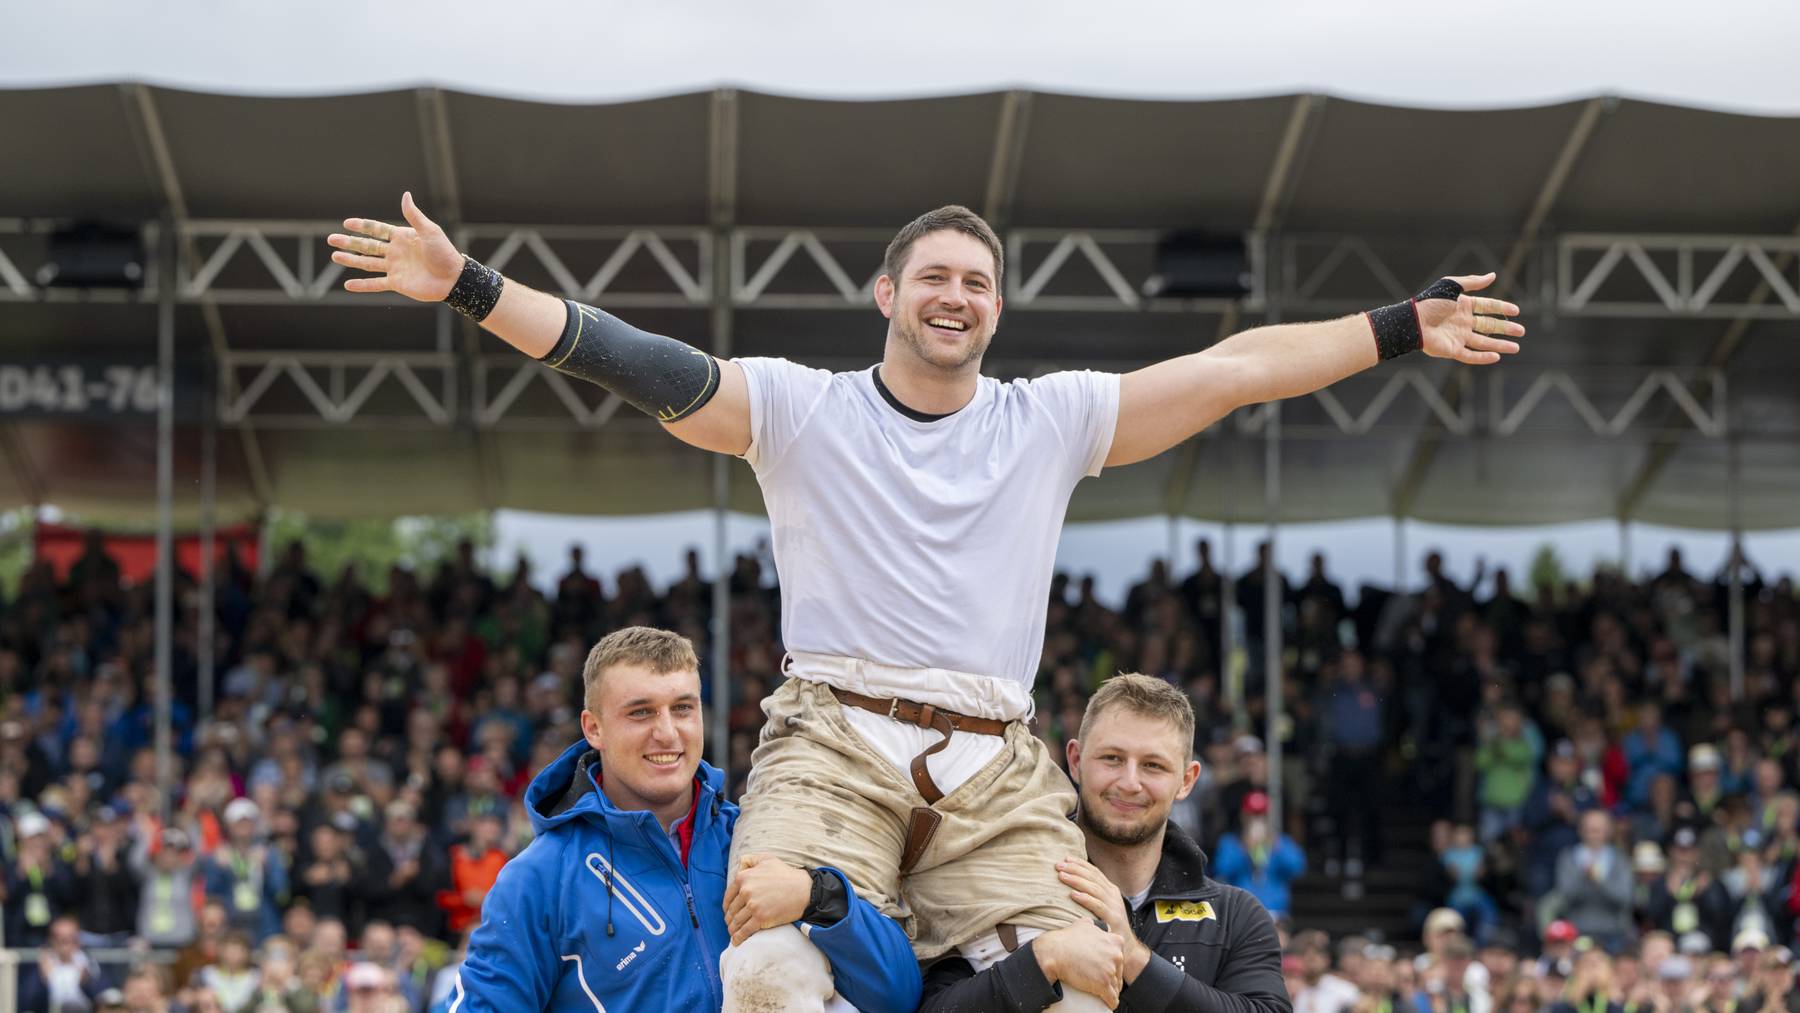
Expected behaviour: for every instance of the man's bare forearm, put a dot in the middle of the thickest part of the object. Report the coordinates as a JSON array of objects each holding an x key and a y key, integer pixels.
[
  {"x": 529, "y": 320},
  {"x": 1287, "y": 360},
  {"x": 1163, "y": 404}
]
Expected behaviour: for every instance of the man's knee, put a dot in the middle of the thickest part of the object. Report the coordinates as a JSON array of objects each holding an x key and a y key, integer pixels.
[{"x": 775, "y": 969}]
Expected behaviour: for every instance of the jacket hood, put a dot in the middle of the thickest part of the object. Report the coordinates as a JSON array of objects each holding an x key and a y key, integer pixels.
[{"x": 568, "y": 789}]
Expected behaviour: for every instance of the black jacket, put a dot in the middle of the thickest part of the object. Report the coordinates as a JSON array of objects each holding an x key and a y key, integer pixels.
[{"x": 1213, "y": 949}]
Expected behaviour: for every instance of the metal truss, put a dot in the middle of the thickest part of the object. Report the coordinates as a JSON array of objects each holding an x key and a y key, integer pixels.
[
  {"x": 1040, "y": 263},
  {"x": 1457, "y": 419},
  {"x": 336, "y": 388},
  {"x": 500, "y": 380},
  {"x": 1686, "y": 275},
  {"x": 1322, "y": 274},
  {"x": 1508, "y": 414},
  {"x": 767, "y": 267},
  {"x": 668, "y": 282},
  {"x": 1080, "y": 270},
  {"x": 1519, "y": 403}
]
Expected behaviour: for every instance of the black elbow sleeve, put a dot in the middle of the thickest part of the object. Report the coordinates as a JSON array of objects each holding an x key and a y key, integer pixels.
[{"x": 664, "y": 378}]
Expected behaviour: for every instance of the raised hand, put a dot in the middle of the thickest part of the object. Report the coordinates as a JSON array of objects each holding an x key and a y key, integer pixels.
[
  {"x": 419, "y": 261},
  {"x": 1471, "y": 329}
]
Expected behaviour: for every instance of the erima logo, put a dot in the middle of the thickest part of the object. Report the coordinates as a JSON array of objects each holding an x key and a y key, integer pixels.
[
  {"x": 1184, "y": 911},
  {"x": 629, "y": 957}
]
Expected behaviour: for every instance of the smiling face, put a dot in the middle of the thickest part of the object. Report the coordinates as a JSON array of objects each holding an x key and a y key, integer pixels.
[
  {"x": 648, "y": 729},
  {"x": 943, "y": 302},
  {"x": 1130, "y": 768}
]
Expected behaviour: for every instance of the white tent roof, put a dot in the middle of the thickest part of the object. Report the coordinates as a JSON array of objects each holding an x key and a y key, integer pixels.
[
  {"x": 1732, "y": 55},
  {"x": 267, "y": 125}
]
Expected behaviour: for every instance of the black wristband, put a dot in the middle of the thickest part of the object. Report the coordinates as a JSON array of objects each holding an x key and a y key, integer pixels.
[
  {"x": 476, "y": 290},
  {"x": 829, "y": 902},
  {"x": 1397, "y": 328}
]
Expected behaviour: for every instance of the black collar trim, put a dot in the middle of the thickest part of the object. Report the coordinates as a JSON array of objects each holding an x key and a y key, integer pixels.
[{"x": 894, "y": 403}]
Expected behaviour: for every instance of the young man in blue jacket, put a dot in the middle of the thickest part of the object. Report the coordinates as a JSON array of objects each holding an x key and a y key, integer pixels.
[{"x": 619, "y": 902}]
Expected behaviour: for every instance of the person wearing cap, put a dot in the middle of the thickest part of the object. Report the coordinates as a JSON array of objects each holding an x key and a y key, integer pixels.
[
  {"x": 1674, "y": 977},
  {"x": 1445, "y": 985},
  {"x": 402, "y": 874},
  {"x": 1498, "y": 953},
  {"x": 38, "y": 886},
  {"x": 105, "y": 888},
  {"x": 1687, "y": 900},
  {"x": 1747, "y": 948},
  {"x": 1558, "y": 946},
  {"x": 1759, "y": 894},
  {"x": 1557, "y": 801},
  {"x": 1771, "y": 984},
  {"x": 1593, "y": 883},
  {"x": 245, "y": 874},
  {"x": 164, "y": 866},
  {"x": 1590, "y": 988},
  {"x": 368, "y": 987},
  {"x": 1190, "y": 941},
  {"x": 1441, "y": 927},
  {"x": 620, "y": 900},
  {"x": 1704, "y": 789},
  {"x": 1261, "y": 860},
  {"x": 1252, "y": 774}
]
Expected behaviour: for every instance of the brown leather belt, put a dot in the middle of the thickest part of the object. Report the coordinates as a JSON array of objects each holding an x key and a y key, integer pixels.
[
  {"x": 925, "y": 716},
  {"x": 924, "y": 823}
]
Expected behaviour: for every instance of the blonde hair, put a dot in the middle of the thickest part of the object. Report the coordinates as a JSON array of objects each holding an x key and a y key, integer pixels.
[
  {"x": 660, "y": 651},
  {"x": 1146, "y": 695}
]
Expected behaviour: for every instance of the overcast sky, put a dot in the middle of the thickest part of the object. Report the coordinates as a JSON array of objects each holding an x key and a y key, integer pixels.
[{"x": 1728, "y": 54}]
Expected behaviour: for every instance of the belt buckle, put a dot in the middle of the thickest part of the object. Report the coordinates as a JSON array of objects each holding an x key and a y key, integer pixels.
[{"x": 893, "y": 708}]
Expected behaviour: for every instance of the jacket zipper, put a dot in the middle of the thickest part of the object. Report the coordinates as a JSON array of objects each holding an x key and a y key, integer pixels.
[{"x": 687, "y": 892}]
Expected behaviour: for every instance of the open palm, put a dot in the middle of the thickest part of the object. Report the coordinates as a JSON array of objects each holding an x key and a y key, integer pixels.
[
  {"x": 1471, "y": 329},
  {"x": 418, "y": 262}
]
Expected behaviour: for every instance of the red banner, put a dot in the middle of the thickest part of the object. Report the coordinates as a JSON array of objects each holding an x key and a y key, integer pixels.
[{"x": 136, "y": 553}]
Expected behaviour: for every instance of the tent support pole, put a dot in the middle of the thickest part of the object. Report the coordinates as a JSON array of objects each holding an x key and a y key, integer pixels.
[
  {"x": 1737, "y": 572},
  {"x": 209, "y": 478},
  {"x": 165, "y": 491},
  {"x": 1272, "y": 612},
  {"x": 722, "y": 213}
]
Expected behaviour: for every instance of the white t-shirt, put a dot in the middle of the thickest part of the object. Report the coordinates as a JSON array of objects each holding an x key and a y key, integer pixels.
[{"x": 921, "y": 544}]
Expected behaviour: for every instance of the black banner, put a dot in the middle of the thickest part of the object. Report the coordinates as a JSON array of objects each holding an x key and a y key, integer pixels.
[{"x": 125, "y": 391}]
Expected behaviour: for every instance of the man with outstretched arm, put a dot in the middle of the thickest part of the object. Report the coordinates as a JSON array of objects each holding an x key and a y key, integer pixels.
[
  {"x": 915, "y": 508},
  {"x": 1189, "y": 943},
  {"x": 618, "y": 902}
]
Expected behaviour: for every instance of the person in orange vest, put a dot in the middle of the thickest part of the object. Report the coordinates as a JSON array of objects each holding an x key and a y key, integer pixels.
[{"x": 473, "y": 868}]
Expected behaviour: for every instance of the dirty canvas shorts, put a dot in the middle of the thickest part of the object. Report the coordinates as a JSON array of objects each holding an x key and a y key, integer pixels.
[{"x": 818, "y": 794}]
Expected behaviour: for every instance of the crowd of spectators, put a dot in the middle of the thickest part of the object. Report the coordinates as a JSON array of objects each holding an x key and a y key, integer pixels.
[{"x": 351, "y": 790}]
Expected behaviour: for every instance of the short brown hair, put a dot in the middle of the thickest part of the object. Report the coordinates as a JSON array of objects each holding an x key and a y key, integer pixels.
[
  {"x": 949, "y": 218},
  {"x": 1146, "y": 695},
  {"x": 660, "y": 651}
]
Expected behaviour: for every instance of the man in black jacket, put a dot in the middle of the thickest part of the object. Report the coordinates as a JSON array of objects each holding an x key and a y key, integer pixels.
[{"x": 1193, "y": 944}]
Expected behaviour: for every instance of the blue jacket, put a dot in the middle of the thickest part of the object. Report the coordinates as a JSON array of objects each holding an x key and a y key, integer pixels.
[
  {"x": 1269, "y": 882},
  {"x": 543, "y": 942}
]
